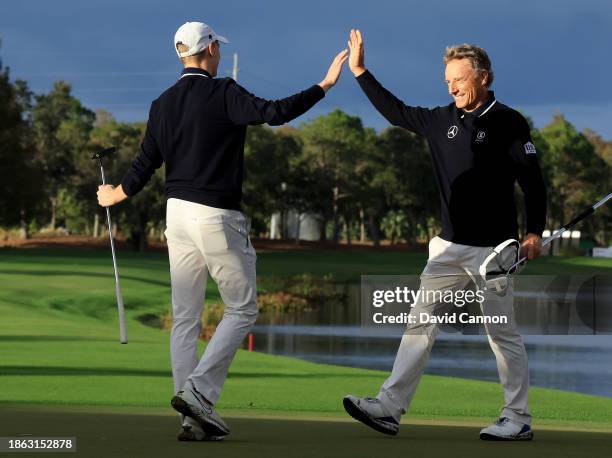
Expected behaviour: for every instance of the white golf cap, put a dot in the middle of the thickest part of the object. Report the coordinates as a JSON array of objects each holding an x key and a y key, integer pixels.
[{"x": 197, "y": 36}]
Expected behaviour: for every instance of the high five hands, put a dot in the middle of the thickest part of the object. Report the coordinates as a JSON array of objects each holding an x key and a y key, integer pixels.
[
  {"x": 334, "y": 71},
  {"x": 356, "y": 61}
]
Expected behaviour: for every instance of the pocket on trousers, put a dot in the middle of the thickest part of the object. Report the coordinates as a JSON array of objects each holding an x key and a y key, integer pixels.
[
  {"x": 214, "y": 237},
  {"x": 175, "y": 234},
  {"x": 436, "y": 247},
  {"x": 238, "y": 236}
]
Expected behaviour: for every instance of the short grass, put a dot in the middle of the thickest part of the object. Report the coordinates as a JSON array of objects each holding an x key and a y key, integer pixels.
[
  {"x": 58, "y": 343},
  {"x": 132, "y": 434}
]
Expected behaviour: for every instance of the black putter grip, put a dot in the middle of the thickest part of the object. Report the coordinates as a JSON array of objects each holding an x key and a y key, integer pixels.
[
  {"x": 104, "y": 153},
  {"x": 579, "y": 218}
]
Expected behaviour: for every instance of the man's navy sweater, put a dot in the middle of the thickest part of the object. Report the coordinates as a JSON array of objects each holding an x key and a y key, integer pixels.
[
  {"x": 477, "y": 158},
  {"x": 197, "y": 128}
]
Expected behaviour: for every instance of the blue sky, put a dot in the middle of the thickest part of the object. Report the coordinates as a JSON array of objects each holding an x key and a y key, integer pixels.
[{"x": 548, "y": 56}]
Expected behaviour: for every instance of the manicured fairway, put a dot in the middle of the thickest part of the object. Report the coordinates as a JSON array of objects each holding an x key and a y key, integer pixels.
[
  {"x": 62, "y": 371},
  {"x": 342, "y": 264}
]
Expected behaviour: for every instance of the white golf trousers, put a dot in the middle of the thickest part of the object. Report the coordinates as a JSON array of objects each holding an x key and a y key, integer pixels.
[
  {"x": 447, "y": 269},
  {"x": 203, "y": 240}
]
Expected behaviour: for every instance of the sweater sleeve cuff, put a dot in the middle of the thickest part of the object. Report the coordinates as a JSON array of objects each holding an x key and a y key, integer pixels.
[
  {"x": 318, "y": 91},
  {"x": 129, "y": 185},
  {"x": 364, "y": 76},
  {"x": 535, "y": 230}
]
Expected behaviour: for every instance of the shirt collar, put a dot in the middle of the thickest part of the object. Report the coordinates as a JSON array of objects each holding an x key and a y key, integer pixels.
[
  {"x": 198, "y": 71},
  {"x": 483, "y": 108}
]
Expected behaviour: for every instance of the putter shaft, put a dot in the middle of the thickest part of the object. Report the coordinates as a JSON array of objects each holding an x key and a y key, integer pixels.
[
  {"x": 566, "y": 227},
  {"x": 120, "y": 307}
]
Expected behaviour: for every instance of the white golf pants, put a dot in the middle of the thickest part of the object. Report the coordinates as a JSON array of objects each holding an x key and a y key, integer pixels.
[
  {"x": 447, "y": 269},
  {"x": 203, "y": 240}
]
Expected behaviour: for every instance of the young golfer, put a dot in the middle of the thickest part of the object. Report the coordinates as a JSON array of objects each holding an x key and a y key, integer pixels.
[
  {"x": 479, "y": 148},
  {"x": 197, "y": 128}
]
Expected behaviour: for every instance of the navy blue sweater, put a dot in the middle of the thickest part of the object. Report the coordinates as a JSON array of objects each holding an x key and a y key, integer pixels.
[
  {"x": 477, "y": 158},
  {"x": 198, "y": 128}
]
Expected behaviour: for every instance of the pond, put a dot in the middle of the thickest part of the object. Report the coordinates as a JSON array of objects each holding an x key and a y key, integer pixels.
[{"x": 580, "y": 362}]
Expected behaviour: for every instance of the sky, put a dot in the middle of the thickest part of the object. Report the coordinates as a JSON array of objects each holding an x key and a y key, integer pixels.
[{"x": 549, "y": 56}]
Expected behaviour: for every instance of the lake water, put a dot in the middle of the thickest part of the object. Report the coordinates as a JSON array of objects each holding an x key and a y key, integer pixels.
[
  {"x": 574, "y": 363},
  {"x": 581, "y": 362}
]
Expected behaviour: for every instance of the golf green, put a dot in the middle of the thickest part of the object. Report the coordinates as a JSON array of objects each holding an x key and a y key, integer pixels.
[{"x": 104, "y": 434}]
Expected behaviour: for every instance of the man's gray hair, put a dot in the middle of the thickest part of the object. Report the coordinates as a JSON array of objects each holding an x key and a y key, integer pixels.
[{"x": 478, "y": 58}]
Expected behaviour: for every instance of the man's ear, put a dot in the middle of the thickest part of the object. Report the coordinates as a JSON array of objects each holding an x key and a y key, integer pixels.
[
  {"x": 212, "y": 49},
  {"x": 485, "y": 78}
]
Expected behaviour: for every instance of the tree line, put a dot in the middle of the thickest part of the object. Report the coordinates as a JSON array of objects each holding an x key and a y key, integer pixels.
[{"x": 360, "y": 184}]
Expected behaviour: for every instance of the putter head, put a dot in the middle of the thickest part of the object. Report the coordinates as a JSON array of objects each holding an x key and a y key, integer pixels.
[
  {"x": 104, "y": 153},
  {"x": 497, "y": 285}
]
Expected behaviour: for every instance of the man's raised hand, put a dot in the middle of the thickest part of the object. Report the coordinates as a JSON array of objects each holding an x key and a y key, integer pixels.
[
  {"x": 334, "y": 71},
  {"x": 356, "y": 59}
]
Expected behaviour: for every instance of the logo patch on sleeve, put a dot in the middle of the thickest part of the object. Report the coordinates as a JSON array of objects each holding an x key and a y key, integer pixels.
[{"x": 530, "y": 148}]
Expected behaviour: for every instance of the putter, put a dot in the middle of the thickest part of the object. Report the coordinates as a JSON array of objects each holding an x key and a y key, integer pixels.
[
  {"x": 566, "y": 227},
  {"x": 120, "y": 308},
  {"x": 499, "y": 283}
]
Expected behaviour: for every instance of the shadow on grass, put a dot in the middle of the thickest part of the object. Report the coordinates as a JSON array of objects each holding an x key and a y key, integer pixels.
[
  {"x": 103, "y": 434},
  {"x": 64, "y": 273},
  {"x": 61, "y": 254},
  {"x": 111, "y": 371},
  {"x": 22, "y": 338},
  {"x": 63, "y": 371}
]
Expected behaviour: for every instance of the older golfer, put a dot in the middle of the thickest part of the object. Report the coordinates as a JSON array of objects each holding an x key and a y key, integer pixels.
[
  {"x": 479, "y": 148},
  {"x": 197, "y": 128}
]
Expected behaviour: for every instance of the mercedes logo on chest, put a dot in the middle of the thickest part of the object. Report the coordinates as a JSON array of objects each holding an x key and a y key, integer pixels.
[{"x": 452, "y": 131}]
